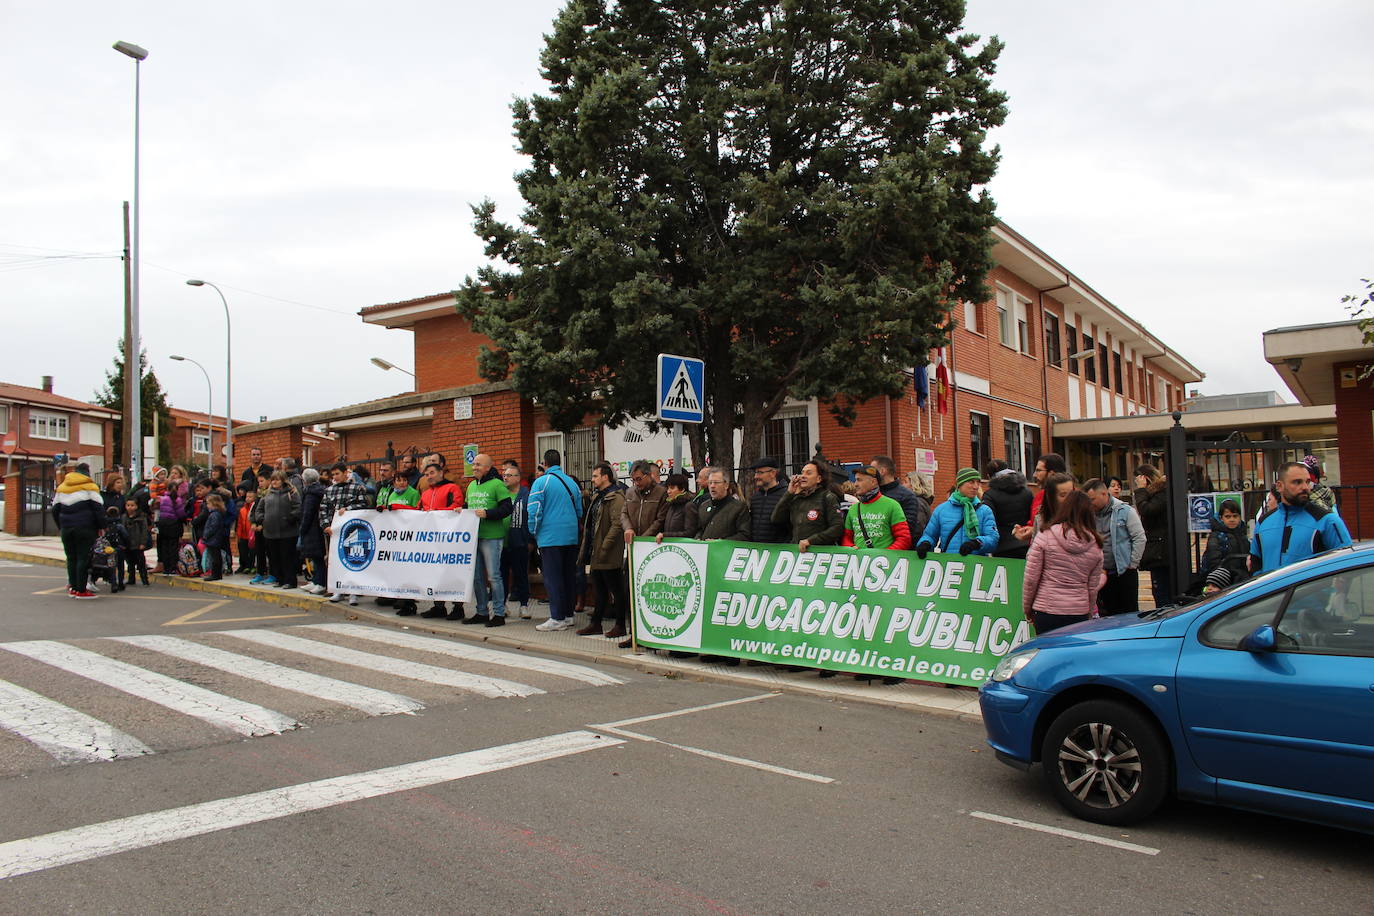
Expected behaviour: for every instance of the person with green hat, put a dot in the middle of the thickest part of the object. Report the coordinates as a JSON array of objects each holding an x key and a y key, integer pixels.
[
  {"x": 961, "y": 523},
  {"x": 876, "y": 522}
]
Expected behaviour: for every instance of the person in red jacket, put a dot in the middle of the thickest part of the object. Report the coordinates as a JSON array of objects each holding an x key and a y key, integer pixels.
[
  {"x": 1064, "y": 567},
  {"x": 440, "y": 495}
]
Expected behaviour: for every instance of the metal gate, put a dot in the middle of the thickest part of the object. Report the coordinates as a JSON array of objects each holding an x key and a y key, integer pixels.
[{"x": 36, "y": 490}]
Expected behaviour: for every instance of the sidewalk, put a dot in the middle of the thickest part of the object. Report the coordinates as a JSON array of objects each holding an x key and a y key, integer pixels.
[{"x": 960, "y": 702}]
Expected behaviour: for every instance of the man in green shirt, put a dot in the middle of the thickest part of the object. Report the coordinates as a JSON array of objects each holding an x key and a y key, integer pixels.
[
  {"x": 490, "y": 500},
  {"x": 876, "y": 521}
]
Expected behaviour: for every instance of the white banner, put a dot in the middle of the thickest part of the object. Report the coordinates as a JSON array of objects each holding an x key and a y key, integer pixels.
[{"x": 403, "y": 553}]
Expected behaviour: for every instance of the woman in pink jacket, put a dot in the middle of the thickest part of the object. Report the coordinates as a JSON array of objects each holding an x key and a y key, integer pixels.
[{"x": 1064, "y": 567}]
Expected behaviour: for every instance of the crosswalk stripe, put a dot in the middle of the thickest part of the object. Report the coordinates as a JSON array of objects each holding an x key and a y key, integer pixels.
[
  {"x": 469, "y": 652},
  {"x": 225, "y": 712},
  {"x": 367, "y": 699},
  {"x": 66, "y": 734},
  {"x": 417, "y": 671},
  {"x": 78, "y": 844}
]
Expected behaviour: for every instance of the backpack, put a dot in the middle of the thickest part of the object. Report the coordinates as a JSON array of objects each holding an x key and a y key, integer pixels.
[
  {"x": 188, "y": 564},
  {"x": 102, "y": 552}
]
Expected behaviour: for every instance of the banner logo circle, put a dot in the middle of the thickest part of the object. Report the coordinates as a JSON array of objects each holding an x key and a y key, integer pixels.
[
  {"x": 357, "y": 544},
  {"x": 670, "y": 590}
]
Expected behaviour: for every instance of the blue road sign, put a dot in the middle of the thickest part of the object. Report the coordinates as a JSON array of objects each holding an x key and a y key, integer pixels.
[{"x": 681, "y": 387}]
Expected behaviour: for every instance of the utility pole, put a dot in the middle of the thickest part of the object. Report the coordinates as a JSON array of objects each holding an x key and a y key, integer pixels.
[{"x": 131, "y": 374}]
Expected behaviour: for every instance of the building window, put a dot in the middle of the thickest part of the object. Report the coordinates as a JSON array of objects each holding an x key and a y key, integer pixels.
[
  {"x": 1005, "y": 318},
  {"x": 200, "y": 443},
  {"x": 1052, "y": 354},
  {"x": 979, "y": 439},
  {"x": 971, "y": 317},
  {"x": 1071, "y": 345},
  {"x": 1116, "y": 373},
  {"x": 92, "y": 432},
  {"x": 1024, "y": 340},
  {"x": 1021, "y": 442},
  {"x": 1089, "y": 362},
  {"x": 4, "y": 418},
  {"x": 47, "y": 426},
  {"x": 785, "y": 438},
  {"x": 1103, "y": 366}
]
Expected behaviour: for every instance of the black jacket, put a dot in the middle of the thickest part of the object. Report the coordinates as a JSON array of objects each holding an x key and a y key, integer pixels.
[
  {"x": 762, "y": 528},
  {"x": 311, "y": 537},
  {"x": 915, "y": 508},
  {"x": 1010, "y": 501}
]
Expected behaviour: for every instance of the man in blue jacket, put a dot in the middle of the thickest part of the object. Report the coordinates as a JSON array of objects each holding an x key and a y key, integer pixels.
[
  {"x": 1296, "y": 528},
  {"x": 554, "y": 520}
]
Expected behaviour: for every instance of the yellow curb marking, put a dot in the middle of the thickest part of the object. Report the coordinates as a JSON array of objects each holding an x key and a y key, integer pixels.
[{"x": 195, "y": 616}]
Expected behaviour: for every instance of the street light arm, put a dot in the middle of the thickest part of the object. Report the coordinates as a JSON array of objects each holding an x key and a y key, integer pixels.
[
  {"x": 209, "y": 406},
  {"x": 228, "y": 374}
]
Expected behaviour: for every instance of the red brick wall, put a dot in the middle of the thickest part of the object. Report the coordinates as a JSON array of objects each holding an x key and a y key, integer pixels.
[
  {"x": 1355, "y": 431},
  {"x": 446, "y": 351},
  {"x": 276, "y": 443},
  {"x": 502, "y": 426},
  {"x": 371, "y": 443},
  {"x": 14, "y": 499}
]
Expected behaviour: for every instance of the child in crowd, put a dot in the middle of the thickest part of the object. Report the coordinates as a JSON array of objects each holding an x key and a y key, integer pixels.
[
  {"x": 243, "y": 531},
  {"x": 140, "y": 535},
  {"x": 214, "y": 537},
  {"x": 117, "y": 539}
]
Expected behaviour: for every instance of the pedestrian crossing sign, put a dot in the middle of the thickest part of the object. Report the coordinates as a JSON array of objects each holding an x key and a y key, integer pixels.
[{"x": 680, "y": 388}]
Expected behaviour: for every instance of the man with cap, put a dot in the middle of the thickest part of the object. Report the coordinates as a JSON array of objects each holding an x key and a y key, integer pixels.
[
  {"x": 875, "y": 522},
  {"x": 768, "y": 490},
  {"x": 961, "y": 524}
]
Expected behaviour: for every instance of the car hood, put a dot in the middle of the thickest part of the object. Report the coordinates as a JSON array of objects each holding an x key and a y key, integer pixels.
[{"x": 1103, "y": 629}]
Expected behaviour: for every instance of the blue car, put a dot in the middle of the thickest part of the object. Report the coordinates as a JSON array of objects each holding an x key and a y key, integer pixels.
[{"x": 1258, "y": 697}]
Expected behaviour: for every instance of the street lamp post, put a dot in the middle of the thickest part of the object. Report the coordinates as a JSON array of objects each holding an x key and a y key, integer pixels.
[
  {"x": 209, "y": 411},
  {"x": 133, "y": 375},
  {"x": 228, "y": 376},
  {"x": 384, "y": 365}
]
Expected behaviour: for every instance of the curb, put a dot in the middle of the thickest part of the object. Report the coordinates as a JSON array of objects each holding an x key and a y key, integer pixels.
[{"x": 646, "y": 664}]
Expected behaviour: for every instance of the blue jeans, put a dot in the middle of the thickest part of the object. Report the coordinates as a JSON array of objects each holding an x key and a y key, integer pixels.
[
  {"x": 489, "y": 565},
  {"x": 560, "y": 575}
]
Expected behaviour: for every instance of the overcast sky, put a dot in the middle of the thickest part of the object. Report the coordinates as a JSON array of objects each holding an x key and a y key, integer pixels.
[{"x": 1205, "y": 166}]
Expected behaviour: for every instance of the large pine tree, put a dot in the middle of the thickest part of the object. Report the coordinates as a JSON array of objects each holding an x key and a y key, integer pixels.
[
  {"x": 791, "y": 191},
  {"x": 153, "y": 401}
]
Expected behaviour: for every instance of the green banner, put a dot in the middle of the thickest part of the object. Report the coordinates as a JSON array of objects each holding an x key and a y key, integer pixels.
[{"x": 945, "y": 618}]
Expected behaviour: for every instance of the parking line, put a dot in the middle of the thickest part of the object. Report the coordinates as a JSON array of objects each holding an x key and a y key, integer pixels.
[
  {"x": 66, "y": 847},
  {"x": 683, "y": 712},
  {"x": 715, "y": 755},
  {"x": 1060, "y": 831}
]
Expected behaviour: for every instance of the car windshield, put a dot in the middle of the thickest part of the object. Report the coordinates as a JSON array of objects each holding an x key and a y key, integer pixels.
[{"x": 1189, "y": 603}]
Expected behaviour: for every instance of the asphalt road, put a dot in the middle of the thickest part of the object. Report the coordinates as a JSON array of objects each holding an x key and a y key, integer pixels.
[{"x": 578, "y": 791}]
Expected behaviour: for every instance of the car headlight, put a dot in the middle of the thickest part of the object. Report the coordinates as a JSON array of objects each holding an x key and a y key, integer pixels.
[{"x": 1006, "y": 669}]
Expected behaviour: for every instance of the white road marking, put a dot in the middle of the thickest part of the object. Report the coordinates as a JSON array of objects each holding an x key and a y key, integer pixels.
[
  {"x": 469, "y": 652},
  {"x": 1060, "y": 831},
  {"x": 66, "y": 847},
  {"x": 225, "y": 712},
  {"x": 416, "y": 671},
  {"x": 714, "y": 755},
  {"x": 682, "y": 712},
  {"x": 367, "y": 699},
  {"x": 67, "y": 734}
]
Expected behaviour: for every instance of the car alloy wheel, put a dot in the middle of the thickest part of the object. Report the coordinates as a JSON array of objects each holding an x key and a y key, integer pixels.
[{"x": 1106, "y": 762}]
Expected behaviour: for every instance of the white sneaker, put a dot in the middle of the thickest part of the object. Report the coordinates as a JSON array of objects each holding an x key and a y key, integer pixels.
[
  {"x": 313, "y": 589},
  {"x": 549, "y": 625},
  {"x": 566, "y": 623},
  {"x": 525, "y": 612},
  {"x": 334, "y": 598},
  {"x": 352, "y": 600}
]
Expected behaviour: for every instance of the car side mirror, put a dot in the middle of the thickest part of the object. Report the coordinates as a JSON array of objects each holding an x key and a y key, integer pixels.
[{"x": 1261, "y": 640}]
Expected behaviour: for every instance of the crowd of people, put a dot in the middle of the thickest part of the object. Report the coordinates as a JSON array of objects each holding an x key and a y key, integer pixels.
[{"x": 1084, "y": 545}]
